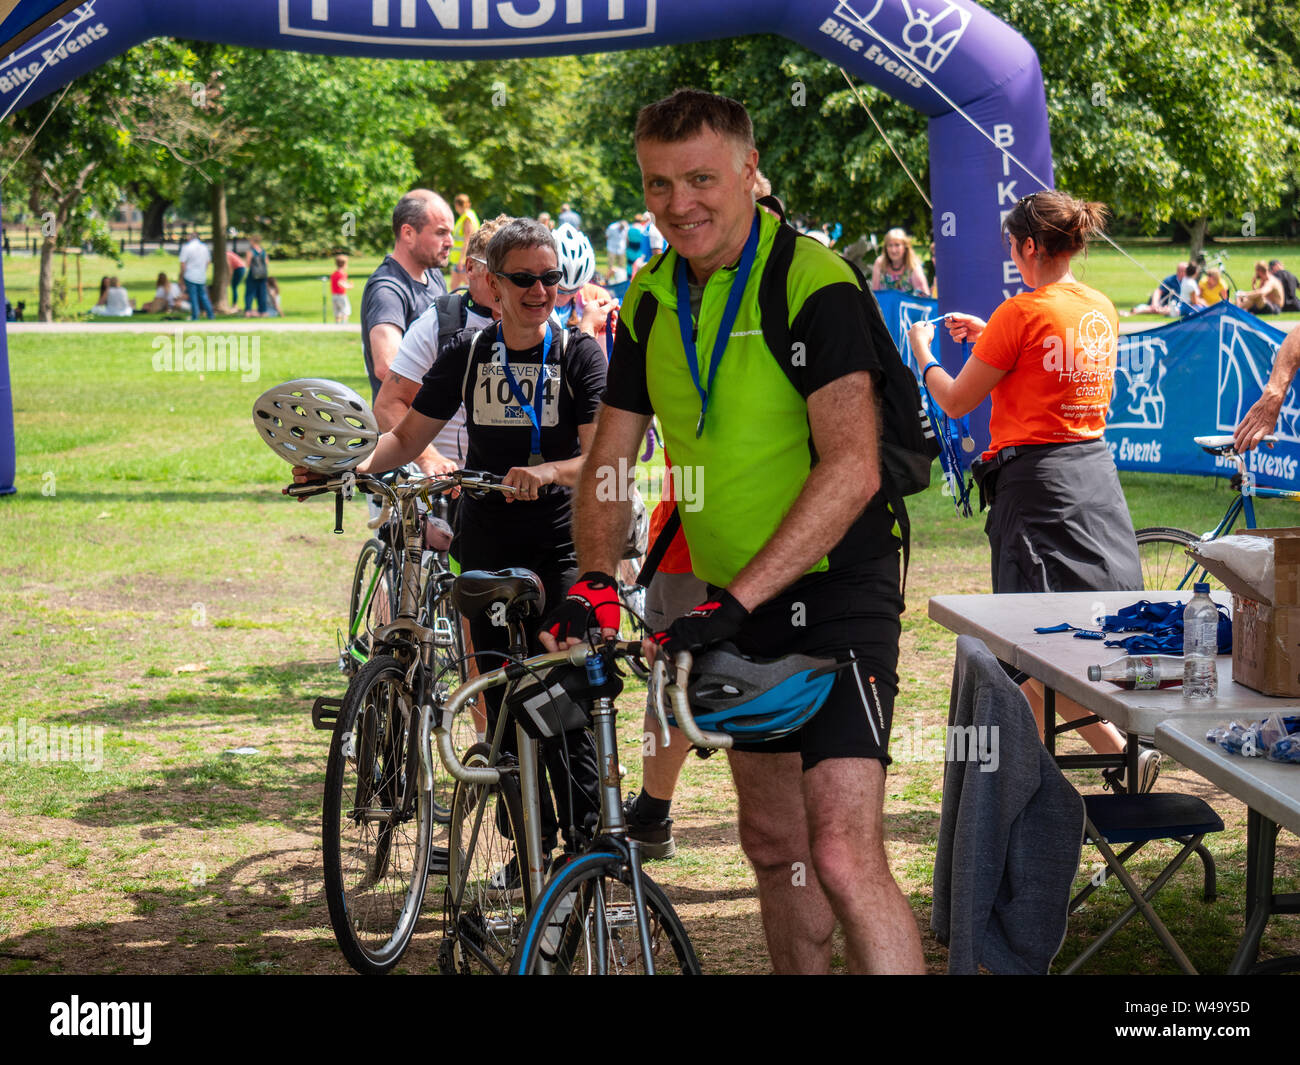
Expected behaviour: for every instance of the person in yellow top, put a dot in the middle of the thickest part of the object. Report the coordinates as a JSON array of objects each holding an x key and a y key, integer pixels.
[
  {"x": 466, "y": 223},
  {"x": 1213, "y": 290}
]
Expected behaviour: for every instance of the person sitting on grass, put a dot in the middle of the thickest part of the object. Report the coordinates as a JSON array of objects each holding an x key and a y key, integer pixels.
[
  {"x": 273, "y": 308},
  {"x": 117, "y": 304},
  {"x": 1213, "y": 290},
  {"x": 1164, "y": 300},
  {"x": 1265, "y": 295}
]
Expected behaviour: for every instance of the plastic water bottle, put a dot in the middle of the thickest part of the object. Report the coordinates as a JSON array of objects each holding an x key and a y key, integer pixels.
[
  {"x": 1200, "y": 647},
  {"x": 1140, "y": 672}
]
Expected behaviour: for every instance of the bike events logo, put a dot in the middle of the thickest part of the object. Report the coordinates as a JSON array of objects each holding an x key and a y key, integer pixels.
[
  {"x": 615, "y": 484},
  {"x": 466, "y": 23},
  {"x": 81, "y": 745},
  {"x": 927, "y": 37},
  {"x": 1138, "y": 401},
  {"x": 74, "y": 1017},
  {"x": 45, "y": 51},
  {"x": 208, "y": 353},
  {"x": 1245, "y": 361}
]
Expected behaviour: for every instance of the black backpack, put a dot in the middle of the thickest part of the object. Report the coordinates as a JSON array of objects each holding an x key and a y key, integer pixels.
[{"x": 908, "y": 445}]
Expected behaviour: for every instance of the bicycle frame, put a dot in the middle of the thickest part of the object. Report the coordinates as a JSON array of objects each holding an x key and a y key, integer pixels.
[{"x": 613, "y": 833}]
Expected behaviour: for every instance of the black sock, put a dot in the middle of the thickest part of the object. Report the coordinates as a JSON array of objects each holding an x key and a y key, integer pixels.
[{"x": 648, "y": 808}]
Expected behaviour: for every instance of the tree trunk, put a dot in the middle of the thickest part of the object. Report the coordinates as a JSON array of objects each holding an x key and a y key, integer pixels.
[
  {"x": 220, "y": 268},
  {"x": 1196, "y": 237},
  {"x": 151, "y": 221},
  {"x": 46, "y": 286}
]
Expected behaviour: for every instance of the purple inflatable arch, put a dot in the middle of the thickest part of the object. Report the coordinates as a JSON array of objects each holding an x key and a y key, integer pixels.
[{"x": 977, "y": 79}]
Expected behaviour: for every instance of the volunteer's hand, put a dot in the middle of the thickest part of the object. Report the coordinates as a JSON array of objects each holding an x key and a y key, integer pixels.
[
  {"x": 709, "y": 623},
  {"x": 964, "y": 326},
  {"x": 591, "y": 603}
]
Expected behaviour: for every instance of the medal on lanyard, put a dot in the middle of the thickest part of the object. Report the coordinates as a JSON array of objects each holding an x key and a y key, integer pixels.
[
  {"x": 529, "y": 409},
  {"x": 732, "y": 308}
]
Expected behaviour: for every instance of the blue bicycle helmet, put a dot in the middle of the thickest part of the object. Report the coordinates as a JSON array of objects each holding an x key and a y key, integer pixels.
[{"x": 757, "y": 699}]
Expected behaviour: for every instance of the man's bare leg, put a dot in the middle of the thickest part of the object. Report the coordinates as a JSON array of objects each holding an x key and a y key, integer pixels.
[
  {"x": 661, "y": 766},
  {"x": 844, "y": 803},
  {"x": 797, "y": 918}
]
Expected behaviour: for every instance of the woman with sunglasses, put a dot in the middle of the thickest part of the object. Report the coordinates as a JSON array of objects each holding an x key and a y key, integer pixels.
[
  {"x": 1058, "y": 520},
  {"x": 530, "y": 389}
]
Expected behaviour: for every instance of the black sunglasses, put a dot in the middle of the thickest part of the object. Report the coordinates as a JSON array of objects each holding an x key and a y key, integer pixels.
[{"x": 526, "y": 280}]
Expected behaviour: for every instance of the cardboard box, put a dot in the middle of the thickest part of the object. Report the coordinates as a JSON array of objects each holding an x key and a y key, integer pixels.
[{"x": 1266, "y": 631}]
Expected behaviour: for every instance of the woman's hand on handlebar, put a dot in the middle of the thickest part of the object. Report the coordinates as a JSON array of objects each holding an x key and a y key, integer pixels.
[{"x": 528, "y": 481}]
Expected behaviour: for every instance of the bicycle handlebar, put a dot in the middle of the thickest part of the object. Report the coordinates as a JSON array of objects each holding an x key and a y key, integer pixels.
[{"x": 676, "y": 693}]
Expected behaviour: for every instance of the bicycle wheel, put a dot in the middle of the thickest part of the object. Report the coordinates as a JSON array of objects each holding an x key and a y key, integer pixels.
[
  {"x": 485, "y": 905},
  {"x": 375, "y": 824},
  {"x": 585, "y": 925},
  {"x": 450, "y": 672},
  {"x": 633, "y": 595},
  {"x": 1165, "y": 564},
  {"x": 373, "y": 601}
]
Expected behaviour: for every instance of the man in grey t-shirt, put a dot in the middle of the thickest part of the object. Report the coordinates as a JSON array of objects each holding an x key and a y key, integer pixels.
[{"x": 407, "y": 281}]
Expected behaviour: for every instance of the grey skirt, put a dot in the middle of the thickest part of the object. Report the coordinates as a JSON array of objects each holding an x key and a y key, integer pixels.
[{"x": 1059, "y": 523}]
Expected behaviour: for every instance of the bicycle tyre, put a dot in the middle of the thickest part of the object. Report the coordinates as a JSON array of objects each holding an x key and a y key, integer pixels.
[
  {"x": 482, "y": 918},
  {"x": 375, "y": 825},
  {"x": 591, "y": 890},
  {"x": 441, "y": 614},
  {"x": 1165, "y": 565},
  {"x": 633, "y": 595},
  {"x": 373, "y": 599}
]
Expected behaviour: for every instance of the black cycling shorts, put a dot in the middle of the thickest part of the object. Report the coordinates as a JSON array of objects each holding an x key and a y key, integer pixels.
[{"x": 851, "y": 615}]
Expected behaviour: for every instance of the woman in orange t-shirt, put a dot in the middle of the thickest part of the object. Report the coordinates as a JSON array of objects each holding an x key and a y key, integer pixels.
[{"x": 1058, "y": 520}]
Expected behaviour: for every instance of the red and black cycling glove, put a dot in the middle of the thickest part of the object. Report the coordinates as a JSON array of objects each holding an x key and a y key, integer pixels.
[
  {"x": 592, "y": 603},
  {"x": 709, "y": 623}
]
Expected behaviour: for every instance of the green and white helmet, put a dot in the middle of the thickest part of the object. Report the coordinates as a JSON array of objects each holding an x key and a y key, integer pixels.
[{"x": 317, "y": 424}]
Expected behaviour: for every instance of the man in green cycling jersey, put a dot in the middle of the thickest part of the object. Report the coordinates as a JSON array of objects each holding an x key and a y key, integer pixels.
[{"x": 792, "y": 534}]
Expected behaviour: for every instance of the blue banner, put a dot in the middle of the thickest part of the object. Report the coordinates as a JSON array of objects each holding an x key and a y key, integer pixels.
[
  {"x": 1197, "y": 377},
  {"x": 1161, "y": 399}
]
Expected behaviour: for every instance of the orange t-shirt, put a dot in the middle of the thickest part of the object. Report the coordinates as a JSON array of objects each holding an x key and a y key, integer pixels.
[
  {"x": 677, "y": 559},
  {"x": 1058, "y": 345}
]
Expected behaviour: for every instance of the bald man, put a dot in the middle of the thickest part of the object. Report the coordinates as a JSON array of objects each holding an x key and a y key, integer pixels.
[{"x": 407, "y": 281}]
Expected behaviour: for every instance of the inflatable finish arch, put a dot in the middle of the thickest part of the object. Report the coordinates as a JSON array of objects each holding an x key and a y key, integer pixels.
[{"x": 942, "y": 57}]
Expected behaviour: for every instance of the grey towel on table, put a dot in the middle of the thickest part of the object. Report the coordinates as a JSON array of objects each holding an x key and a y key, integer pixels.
[{"x": 1009, "y": 839}]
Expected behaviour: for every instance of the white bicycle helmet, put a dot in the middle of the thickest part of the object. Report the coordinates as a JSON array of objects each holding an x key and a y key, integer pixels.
[
  {"x": 321, "y": 425},
  {"x": 577, "y": 259}
]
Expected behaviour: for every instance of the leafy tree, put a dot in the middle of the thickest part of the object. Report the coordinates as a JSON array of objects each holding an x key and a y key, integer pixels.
[
  {"x": 1163, "y": 110},
  {"x": 816, "y": 144},
  {"x": 517, "y": 135},
  {"x": 73, "y": 153}
]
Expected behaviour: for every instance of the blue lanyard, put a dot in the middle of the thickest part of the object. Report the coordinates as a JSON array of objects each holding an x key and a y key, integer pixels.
[
  {"x": 687, "y": 327},
  {"x": 528, "y": 408}
]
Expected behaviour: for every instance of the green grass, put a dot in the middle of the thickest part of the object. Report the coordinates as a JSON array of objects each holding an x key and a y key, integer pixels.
[
  {"x": 300, "y": 284},
  {"x": 157, "y": 586}
]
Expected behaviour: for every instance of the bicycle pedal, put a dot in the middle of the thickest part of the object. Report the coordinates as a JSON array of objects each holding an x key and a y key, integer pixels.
[{"x": 325, "y": 711}]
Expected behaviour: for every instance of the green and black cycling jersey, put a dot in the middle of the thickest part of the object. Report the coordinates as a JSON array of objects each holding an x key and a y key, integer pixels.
[{"x": 756, "y": 450}]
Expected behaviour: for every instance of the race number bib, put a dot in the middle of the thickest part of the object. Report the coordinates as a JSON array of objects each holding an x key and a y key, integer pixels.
[{"x": 495, "y": 404}]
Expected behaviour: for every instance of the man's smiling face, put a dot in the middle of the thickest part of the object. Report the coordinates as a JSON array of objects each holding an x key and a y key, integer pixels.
[{"x": 700, "y": 191}]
